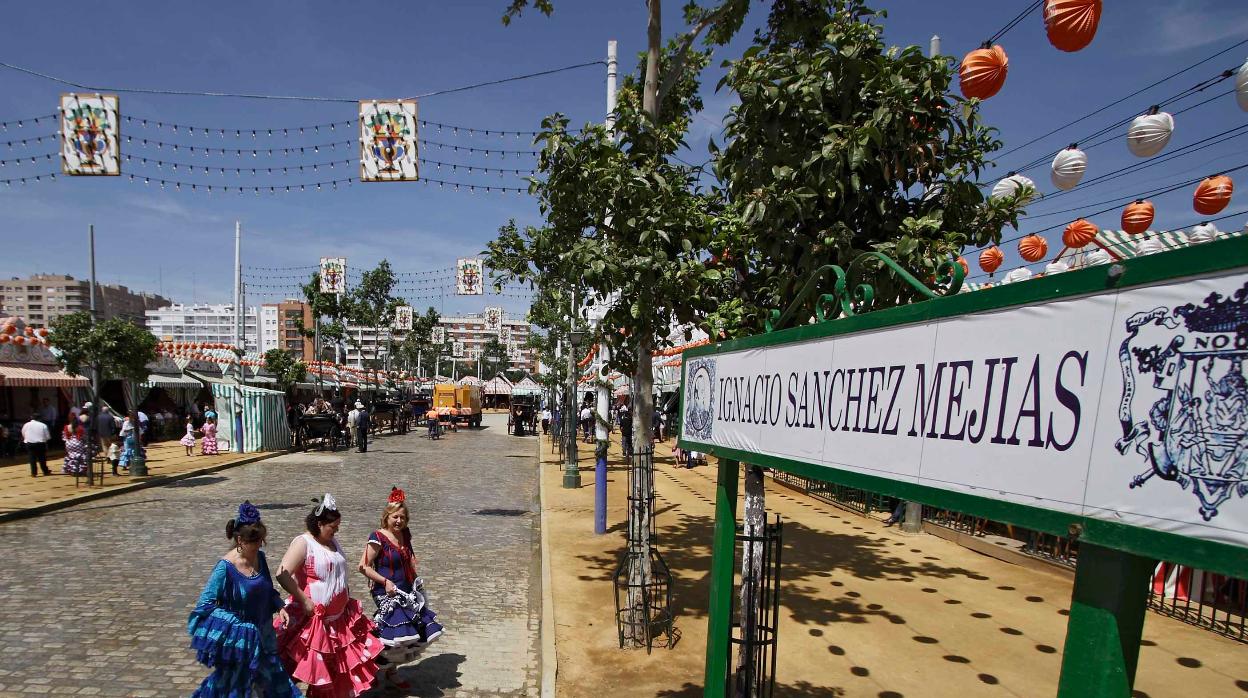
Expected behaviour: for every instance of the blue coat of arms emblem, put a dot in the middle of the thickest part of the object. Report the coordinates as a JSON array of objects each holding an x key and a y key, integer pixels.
[
  {"x": 700, "y": 398},
  {"x": 1191, "y": 425}
]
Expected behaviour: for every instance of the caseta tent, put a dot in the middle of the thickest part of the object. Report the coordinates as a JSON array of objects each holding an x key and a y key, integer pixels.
[{"x": 263, "y": 417}]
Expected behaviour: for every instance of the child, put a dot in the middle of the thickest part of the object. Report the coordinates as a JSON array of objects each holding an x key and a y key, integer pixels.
[
  {"x": 209, "y": 447},
  {"x": 189, "y": 439}
]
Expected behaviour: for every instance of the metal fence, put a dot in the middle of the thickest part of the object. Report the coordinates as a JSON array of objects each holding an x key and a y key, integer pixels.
[
  {"x": 851, "y": 498},
  {"x": 1211, "y": 601}
]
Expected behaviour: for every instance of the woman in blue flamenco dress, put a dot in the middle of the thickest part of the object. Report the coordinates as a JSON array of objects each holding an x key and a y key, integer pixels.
[{"x": 232, "y": 625}]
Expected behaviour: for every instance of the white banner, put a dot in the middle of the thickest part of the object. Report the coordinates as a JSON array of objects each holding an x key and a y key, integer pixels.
[
  {"x": 493, "y": 318},
  {"x": 388, "y": 141},
  {"x": 1127, "y": 406},
  {"x": 90, "y": 135},
  {"x": 468, "y": 273},
  {"x": 439, "y": 335},
  {"x": 403, "y": 318},
  {"x": 457, "y": 349},
  {"x": 333, "y": 274}
]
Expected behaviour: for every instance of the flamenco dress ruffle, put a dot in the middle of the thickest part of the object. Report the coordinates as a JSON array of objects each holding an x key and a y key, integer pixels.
[
  {"x": 334, "y": 650},
  {"x": 242, "y": 653}
]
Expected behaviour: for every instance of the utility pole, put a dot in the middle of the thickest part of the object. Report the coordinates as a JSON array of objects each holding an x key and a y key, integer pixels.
[
  {"x": 601, "y": 434},
  {"x": 95, "y": 373},
  {"x": 239, "y": 338}
]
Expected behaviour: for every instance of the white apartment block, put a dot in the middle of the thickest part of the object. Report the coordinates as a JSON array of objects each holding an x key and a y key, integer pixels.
[
  {"x": 470, "y": 332},
  {"x": 202, "y": 323},
  {"x": 269, "y": 323}
]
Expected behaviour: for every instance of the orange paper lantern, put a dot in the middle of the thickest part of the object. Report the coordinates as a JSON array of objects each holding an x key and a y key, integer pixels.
[
  {"x": 991, "y": 258},
  {"x": 4, "y": 339},
  {"x": 966, "y": 269},
  {"x": 19, "y": 340},
  {"x": 1071, "y": 24},
  {"x": 1213, "y": 194},
  {"x": 1033, "y": 248},
  {"x": 1137, "y": 216},
  {"x": 983, "y": 72},
  {"x": 1079, "y": 234}
]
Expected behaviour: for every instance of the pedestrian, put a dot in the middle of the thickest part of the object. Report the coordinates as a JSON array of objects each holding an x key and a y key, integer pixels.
[
  {"x": 353, "y": 418},
  {"x": 209, "y": 413},
  {"x": 131, "y": 448},
  {"x": 403, "y": 616},
  {"x": 656, "y": 424},
  {"x": 35, "y": 435},
  {"x": 545, "y": 421},
  {"x": 328, "y": 643},
  {"x": 77, "y": 458},
  {"x": 362, "y": 423},
  {"x": 626, "y": 430},
  {"x": 144, "y": 428},
  {"x": 899, "y": 513},
  {"x": 587, "y": 420},
  {"x": 208, "y": 445},
  {"x": 188, "y": 440},
  {"x": 106, "y": 428},
  {"x": 231, "y": 626},
  {"x": 48, "y": 413}
]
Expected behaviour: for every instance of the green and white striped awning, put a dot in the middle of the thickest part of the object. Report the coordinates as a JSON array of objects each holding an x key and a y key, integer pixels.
[
  {"x": 167, "y": 380},
  {"x": 263, "y": 417}
]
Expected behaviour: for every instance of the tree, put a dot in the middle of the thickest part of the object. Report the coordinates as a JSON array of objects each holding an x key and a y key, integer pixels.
[
  {"x": 839, "y": 146},
  {"x": 494, "y": 359},
  {"x": 114, "y": 348},
  {"x": 324, "y": 305},
  {"x": 285, "y": 367},
  {"x": 372, "y": 303}
]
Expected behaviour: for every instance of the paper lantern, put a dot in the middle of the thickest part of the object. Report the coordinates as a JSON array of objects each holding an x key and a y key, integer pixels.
[
  {"x": 1079, "y": 234},
  {"x": 1011, "y": 184},
  {"x": 1149, "y": 134},
  {"x": 1015, "y": 275},
  {"x": 4, "y": 339},
  {"x": 1149, "y": 245},
  {"x": 1205, "y": 232},
  {"x": 1033, "y": 248},
  {"x": 982, "y": 72},
  {"x": 990, "y": 259},
  {"x": 1096, "y": 257},
  {"x": 966, "y": 269},
  {"x": 1137, "y": 216},
  {"x": 1056, "y": 267},
  {"x": 9, "y": 329},
  {"x": 1071, "y": 24},
  {"x": 1241, "y": 86},
  {"x": 1212, "y": 195},
  {"x": 19, "y": 340},
  {"x": 1068, "y": 168},
  {"x": 43, "y": 332}
]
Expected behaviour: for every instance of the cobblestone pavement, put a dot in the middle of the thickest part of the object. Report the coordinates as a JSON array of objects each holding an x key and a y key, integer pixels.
[{"x": 94, "y": 598}]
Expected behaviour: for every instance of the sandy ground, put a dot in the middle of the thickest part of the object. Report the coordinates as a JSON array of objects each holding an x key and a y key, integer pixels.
[{"x": 865, "y": 610}]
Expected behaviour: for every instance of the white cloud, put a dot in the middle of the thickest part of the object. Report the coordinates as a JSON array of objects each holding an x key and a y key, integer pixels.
[{"x": 1188, "y": 25}]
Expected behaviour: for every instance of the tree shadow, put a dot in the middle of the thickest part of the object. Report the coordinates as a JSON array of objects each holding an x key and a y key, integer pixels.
[
  {"x": 799, "y": 688},
  {"x": 429, "y": 678},
  {"x": 197, "y": 481}
]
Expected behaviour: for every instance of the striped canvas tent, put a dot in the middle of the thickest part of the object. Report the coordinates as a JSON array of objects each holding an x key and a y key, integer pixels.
[{"x": 263, "y": 417}]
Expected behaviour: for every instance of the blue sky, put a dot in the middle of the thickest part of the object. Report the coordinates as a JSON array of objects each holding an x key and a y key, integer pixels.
[{"x": 182, "y": 242}]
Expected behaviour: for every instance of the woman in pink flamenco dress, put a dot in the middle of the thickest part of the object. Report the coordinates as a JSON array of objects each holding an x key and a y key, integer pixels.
[
  {"x": 329, "y": 643},
  {"x": 209, "y": 447}
]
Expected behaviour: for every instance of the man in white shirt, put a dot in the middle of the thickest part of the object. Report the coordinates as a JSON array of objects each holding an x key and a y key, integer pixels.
[{"x": 36, "y": 436}]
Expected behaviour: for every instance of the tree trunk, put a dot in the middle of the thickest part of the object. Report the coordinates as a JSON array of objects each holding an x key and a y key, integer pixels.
[
  {"x": 752, "y": 573},
  {"x": 654, "y": 43}
]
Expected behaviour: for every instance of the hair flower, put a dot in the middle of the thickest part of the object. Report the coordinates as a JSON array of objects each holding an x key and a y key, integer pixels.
[
  {"x": 247, "y": 514},
  {"x": 397, "y": 495}
]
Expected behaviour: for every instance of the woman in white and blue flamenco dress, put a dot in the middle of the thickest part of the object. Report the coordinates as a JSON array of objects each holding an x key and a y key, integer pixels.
[{"x": 232, "y": 625}]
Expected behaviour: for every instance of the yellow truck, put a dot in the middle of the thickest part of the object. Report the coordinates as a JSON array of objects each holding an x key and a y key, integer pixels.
[{"x": 461, "y": 403}]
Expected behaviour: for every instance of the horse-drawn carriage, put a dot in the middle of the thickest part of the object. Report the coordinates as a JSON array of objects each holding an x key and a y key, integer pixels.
[
  {"x": 321, "y": 430},
  {"x": 522, "y": 415},
  {"x": 390, "y": 415}
]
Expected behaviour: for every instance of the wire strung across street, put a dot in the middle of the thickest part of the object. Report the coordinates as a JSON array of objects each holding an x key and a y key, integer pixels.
[{"x": 1014, "y": 22}]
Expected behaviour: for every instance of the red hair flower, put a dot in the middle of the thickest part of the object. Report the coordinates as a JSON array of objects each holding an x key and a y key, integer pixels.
[{"x": 397, "y": 495}]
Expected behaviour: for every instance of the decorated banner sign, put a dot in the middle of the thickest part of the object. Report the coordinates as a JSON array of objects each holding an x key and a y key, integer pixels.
[
  {"x": 333, "y": 275},
  {"x": 504, "y": 334},
  {"x": 493, "y": 318},
  {"x": 468, "y": 277},
  {"x": 1123, "y": 406},
  {"x": 457, "y": 348},
  {"x": 90, "y": 135},
  {"x": 403, "y": 317},
  {"x": 388, "y": 141},
  {"x": 439, "y": 335}
]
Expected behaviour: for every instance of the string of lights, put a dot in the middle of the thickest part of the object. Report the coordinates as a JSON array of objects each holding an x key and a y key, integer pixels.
[
  {"x": 287, "y": 131},
  {"x": 331, "y": 184},
  {"x": 208, "y": 169},
  {"x": 21, "y": 123},
  {"x": 1015, "y": 22},
  {"x": 28, "y": 178},
  {"x": 22, "y": 143},
  {"x": 209, "y": 151},
  {"x": 488, "y": 151},
  {"x": 27, "y": 159}
]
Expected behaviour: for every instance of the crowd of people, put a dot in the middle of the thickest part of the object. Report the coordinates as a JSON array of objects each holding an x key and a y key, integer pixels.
[
  {"x": 258, "y": 644},
  {"x": 121, "y": 437}
]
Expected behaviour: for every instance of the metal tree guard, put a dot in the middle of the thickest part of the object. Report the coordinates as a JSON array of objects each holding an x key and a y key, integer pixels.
[
  {"x": 757, "y": 677},
  {"x": 641, "y": 572}
]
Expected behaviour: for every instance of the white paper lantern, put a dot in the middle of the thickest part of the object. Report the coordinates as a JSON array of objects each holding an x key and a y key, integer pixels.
[
  {"x": 1205, "y": 232},
  {"x": 1068, "y": 168},
  {"x": 1149, "y": 245},
  {"x": 1149, "y": 134},
  {"x": 1096, "y": 257},
  {"x": 1009, "y": 185},
  {"x": 1241, "y": 86},
  {"x": 1015, "y": 275},
  {"x": 1055, "y": 268}
]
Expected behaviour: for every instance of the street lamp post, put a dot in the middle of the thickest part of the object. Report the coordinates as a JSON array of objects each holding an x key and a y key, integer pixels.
[{"x": 571, "y": 470}]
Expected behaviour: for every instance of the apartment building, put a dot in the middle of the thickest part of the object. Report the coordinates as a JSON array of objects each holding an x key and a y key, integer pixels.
[
  {"x": 202, "y": 323},
  {"x": 279, "y": 327},
  {"x": 468, "y": 332},
  {"x": 41, "y": 298}
]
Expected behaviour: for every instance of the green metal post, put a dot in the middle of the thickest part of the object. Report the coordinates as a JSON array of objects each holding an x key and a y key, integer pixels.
[
  {"x": 719, "y": 627},
  {"x": 1106, "y": 621}
]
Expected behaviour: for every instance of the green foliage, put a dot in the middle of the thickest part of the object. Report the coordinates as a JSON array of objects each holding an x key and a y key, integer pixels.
[
  {"x": 417, "y": 346},
  {"x": 330, "y": 308},
  {"x": 494, "y": 359},
  {"x": 841, "y": 145},
  {"x": 286, "y": 369},
  {"x": 115, "y": 348},
  {"x": 516, "y": 8}
]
